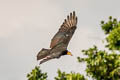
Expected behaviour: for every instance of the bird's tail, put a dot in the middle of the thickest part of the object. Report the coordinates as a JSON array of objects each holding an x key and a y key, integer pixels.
[{"x": 43, "y": 53}]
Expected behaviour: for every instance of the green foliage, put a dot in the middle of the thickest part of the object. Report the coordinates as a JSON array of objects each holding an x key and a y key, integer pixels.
[
  {"x": 69, "y": 76},
  {"x": 110, "y": 25},
  {"x": 101, "y": 65},
  {"x": 113, "y": 39},
  {"x": 36, "y": 74},
  {"x": 112, "y": 28}
]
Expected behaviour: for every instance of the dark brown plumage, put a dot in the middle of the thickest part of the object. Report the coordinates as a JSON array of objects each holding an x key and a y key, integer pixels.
[{"x": 60, "y": 41}]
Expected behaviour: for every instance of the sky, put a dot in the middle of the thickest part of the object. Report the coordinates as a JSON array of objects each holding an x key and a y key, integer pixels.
[{"x": 27, "y": 26}]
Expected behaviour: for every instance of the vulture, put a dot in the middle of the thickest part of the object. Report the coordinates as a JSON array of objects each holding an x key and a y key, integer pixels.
[{"x": 59, "y": 42}]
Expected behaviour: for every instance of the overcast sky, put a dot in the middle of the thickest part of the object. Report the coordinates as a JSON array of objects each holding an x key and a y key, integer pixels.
[{"x": 27, "y": 26}]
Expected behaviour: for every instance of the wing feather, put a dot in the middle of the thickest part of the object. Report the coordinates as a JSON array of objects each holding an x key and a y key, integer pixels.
[{"x": 66, "y": 31}]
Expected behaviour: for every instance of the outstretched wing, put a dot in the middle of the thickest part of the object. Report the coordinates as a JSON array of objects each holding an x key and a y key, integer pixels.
[{"x": 65, "y": 32}]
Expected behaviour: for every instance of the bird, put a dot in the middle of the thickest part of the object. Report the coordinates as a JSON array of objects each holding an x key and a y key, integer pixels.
[{"x": 60, "y": 41}]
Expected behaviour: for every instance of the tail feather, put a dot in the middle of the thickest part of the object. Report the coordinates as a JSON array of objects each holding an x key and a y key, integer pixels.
[{"x": 43, "y": 53}]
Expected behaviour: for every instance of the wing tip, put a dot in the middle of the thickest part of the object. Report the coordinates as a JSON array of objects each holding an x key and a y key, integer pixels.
[{"x": 71, "y": 20}]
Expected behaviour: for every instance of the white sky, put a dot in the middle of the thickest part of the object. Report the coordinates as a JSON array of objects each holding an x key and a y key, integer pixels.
[{"x": 26, "y": 26}]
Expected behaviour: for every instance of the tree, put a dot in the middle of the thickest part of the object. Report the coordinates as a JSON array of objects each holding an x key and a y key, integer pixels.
[
  {"x": 103, "y": 65},
  {"x": 112, "y": 29},
  {"x": 37, "y": 74},
  {"x": 69, "y": 76}
]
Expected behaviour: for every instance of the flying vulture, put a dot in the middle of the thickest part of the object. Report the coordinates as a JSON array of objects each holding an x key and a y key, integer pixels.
[{"x": 59, "y": 42}]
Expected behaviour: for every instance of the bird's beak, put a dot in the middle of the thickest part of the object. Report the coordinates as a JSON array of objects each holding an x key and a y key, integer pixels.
[{"x": 69, "y": 53}]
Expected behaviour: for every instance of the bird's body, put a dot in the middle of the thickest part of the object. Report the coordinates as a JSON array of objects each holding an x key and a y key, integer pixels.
[{"x": 60, "y": 41}]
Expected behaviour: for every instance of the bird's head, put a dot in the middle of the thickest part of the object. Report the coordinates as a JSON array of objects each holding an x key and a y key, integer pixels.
[{"x": 67, "y": 53}]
